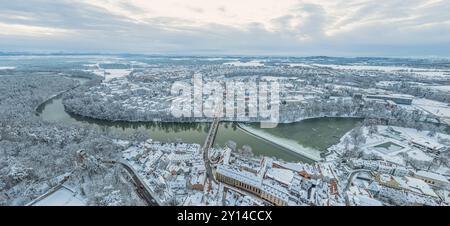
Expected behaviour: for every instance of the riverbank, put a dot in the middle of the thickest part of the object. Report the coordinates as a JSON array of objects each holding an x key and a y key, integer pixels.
[
  {"x": 288, "y": 148},
  {"x": 81, "y": 80},
  {"x": 172, "y": 132},
  {"x": 171, "y": 119},
  {"x": 290, "y": 145}
]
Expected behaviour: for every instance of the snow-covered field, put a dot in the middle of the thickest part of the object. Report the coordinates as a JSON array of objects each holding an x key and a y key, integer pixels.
[
  {"x": 110, "y": 74},
  {"x": 439, "y": 109},
  {"x": 363, "y": 67},
  {"x": 285, "y": 143},
  {"x": 419, "y": 71},
  {"x": 116, "y": 73},
  {"x": 7, "y": 68},
  {"x": 440, "y": 88},
  {"x": 415, "y": 135},
  {"x": 402, "y": 140},
  {"x": 419, "y": 155},
  {"x": 253, "y": 63},
  {"x": 299, "y": 65},
  {"x": 61, "y": 197},
  {"x": 387, "y": 83}
]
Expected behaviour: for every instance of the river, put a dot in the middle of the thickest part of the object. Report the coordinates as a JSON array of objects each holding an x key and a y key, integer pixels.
[{"x": 313, "y": 134}]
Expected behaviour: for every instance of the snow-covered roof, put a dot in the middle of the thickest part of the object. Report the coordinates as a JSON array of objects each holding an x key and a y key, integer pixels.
[
  {"x": 284, "y": 176},
  {"x": 61, "y": 197},
  {"x": 385, "y": 178},
  {"x": 240, "y": 175},
  {"x": 419, "y": 155},
  {"x": 275, "y": 189},
  {"x": 198, "y": 178},
  {"x": 362, "y": 200},
  {"x": 429, "y": 143},
  {"x": 421, "y": 185},
  {"x": 131, "y": 152},
  {"x": 194, "y": 199},
  {"x": 431, "y": 175},
  {"x": 297, "y": 167}
]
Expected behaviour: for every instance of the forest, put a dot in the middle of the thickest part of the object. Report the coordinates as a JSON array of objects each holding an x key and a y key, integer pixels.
[{"x": 34, "y": 154}]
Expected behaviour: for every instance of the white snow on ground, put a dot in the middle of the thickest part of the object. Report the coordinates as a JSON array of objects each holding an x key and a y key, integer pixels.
[
  {"x": 439, "y": 109},
  {"x": 110, "y": 73},
  {"x": 218, "y": 58},
  {"x": 420, "y": 71},
  {"x": 299, "y": 65},
  {"x": 386, "y": 83},
  {"x": 253, "y": 63},
  {"x": 440, "y": 88},
  {"x": 363, "y": 67},
  {"x": 285, "y": 143},
  {"x": 273, "y": 78},
  {"x": 62, "y": 197},
  {"x": 138, "y": 63},
  {"x": 433, "y": 73},
  {"x": 364, "y": 200},
  {"x": 406, "y": 136},
  {"x": 422, "y": 137},
  {"x": 419, "y": 155},
  {"x": 411, "y": 134},
  {"x": 116, "y": 73},
  {"x": 96, "y": 72},
  {"x": 283, "y": 175},
  {"x": 7, "y": 68},
  {"x": 123, "y": 143}
]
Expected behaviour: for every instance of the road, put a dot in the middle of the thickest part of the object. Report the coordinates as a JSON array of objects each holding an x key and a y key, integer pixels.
[
  {"x": 142, "y": 189},
  {"x": 349, "y": 182},
  {"x": 208, "y": 145}
]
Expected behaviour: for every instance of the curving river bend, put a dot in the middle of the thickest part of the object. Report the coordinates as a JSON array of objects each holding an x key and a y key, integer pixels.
[{"x": 317, "y": 134}]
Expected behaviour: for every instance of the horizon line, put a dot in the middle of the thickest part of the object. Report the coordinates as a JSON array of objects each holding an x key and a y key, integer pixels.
[{"x": 201, "y": 55}]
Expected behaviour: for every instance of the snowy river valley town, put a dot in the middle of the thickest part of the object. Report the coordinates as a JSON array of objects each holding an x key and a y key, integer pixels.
[{"x": 97, "y": 130}]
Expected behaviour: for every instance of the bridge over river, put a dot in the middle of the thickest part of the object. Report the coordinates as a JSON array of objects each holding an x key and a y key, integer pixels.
[{"x": 211, "y": 136}]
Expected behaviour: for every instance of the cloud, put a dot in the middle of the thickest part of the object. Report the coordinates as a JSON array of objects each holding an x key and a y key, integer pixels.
[
  {"x": 291, "y": 27},
  {"x": 32, "y": 31}
]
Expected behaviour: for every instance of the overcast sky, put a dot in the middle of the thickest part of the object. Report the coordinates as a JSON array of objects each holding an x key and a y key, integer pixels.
[{"x": 248, "y": 27}]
